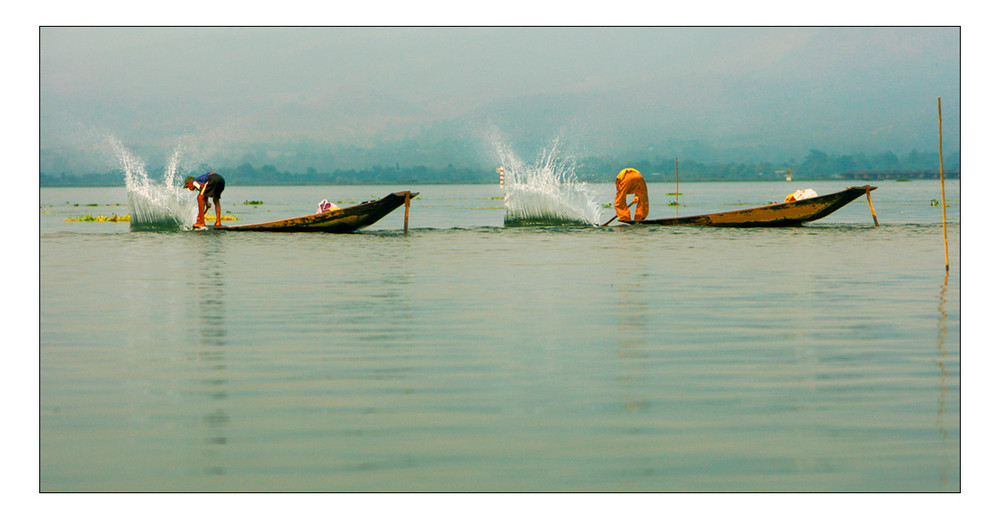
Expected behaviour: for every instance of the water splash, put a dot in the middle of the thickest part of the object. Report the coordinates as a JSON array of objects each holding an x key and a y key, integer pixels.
[
  {"x": 546, "y": 193},
  {"x": 154, "y": 207}
]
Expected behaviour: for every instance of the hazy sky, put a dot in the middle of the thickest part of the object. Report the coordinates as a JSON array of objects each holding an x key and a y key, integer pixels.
[{"x": 785, "y": 89}]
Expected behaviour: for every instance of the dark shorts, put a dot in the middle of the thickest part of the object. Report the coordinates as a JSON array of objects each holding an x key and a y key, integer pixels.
[{"x": 214, "y": 187}]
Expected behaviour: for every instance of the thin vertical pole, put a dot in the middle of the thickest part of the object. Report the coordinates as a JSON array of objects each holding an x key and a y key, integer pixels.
[
  {"x": 944, "y": 219},
  {"x": 677, "y": 189},
  {"x": 406, "y": 215}
]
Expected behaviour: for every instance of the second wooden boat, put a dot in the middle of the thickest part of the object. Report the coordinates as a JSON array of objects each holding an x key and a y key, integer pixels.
[{"x": 773, "y": 215}]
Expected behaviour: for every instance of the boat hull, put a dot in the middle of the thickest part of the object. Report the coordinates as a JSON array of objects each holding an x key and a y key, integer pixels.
[
  {"x": 343, "y": 220},
  {"x": 774, "y": 215}
]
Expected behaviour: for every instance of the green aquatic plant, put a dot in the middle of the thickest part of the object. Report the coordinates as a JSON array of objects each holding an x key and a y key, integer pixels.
[
  {"x": 101, "y": 218},
  {"x": 118, "y": 218},
  {"x": 252, "y": 202}
]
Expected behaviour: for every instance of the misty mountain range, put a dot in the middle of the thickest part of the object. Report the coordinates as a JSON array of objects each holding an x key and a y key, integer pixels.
[{"x": 700, "y": 118}]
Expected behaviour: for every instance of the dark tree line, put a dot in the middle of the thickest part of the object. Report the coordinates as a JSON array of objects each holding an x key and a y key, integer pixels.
[{"x": 817, "y": 164}]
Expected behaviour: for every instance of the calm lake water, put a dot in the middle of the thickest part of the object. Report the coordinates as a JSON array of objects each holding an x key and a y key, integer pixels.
[{"x": 471, "y": 357}]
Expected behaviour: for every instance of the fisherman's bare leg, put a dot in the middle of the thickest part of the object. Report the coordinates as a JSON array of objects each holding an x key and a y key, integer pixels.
[{"x": 218, "y": 212}]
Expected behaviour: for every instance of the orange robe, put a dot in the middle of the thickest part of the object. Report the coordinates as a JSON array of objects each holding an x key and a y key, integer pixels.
[{"x": 629, "y": 182}]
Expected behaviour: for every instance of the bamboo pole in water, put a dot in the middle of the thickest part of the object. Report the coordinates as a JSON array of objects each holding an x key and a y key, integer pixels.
[
  {"x": 677, "y": 189},
  {"x": 944, "y": 220}
]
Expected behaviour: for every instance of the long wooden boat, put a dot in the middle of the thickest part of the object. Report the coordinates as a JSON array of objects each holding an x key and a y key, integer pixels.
[
  {"x": 343, "y": 220},
  {"x": 773, "y": 215}
]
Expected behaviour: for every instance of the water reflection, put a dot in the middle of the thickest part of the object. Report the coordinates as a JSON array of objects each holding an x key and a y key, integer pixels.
[
  {"x": 941, "y": 360},
  {"x": 633, "y": 320},
  {"x": 632, "y": 324},
  {"x": 210, "y": 354}
]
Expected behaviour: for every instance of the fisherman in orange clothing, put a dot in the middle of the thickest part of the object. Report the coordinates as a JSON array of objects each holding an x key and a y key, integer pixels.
[{"x": 629, "y": 182}]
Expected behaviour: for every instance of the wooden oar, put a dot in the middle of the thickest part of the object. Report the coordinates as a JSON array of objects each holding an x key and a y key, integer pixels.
[
  {"x": 636, "y": 199},
  {"x": 868, "y": 192}
]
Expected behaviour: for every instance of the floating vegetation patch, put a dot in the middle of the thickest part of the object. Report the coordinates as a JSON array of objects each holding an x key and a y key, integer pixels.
[
  {"x": 252, "y": 202},
  {"x": 119, "y": 218},
  {"x": 89, "y": 205},
  {"x": 101, "y": 218}
]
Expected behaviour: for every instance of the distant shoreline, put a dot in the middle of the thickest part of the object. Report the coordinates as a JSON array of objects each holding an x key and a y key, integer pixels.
[{"x": 651, "y": 178}]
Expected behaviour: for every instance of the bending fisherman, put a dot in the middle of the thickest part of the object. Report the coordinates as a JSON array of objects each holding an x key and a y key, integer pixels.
[
  {"x": 630, "y": 182},
  {"x": 210, "y": 185}
]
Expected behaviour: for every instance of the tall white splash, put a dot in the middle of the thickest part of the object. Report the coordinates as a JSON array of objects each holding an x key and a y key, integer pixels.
[
  {"x": 154, "y": 207},
  {"x": 545, "y": 193}
]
